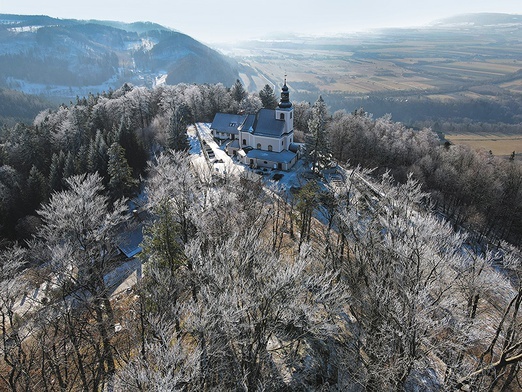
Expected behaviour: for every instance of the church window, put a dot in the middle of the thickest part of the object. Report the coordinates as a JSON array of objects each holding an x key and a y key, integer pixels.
[
  {"x": 282, "y": 116},
  {"x": 244, "y": 142},
  {"x": 269, "y": 147},
  {"x": 259, "y": 146},
  {"x": 291, "y": 114}
]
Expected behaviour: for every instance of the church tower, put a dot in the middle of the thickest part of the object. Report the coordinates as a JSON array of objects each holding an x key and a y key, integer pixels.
[{"x": 285, "y": 111}]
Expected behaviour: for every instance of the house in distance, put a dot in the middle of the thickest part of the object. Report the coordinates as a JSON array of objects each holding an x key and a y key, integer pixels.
[{"x": 261, "y": 140}]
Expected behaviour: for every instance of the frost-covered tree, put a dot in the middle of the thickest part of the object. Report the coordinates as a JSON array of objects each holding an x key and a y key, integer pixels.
[
  {"x": 257, "y": 316},
  {"x": 399, "y": 271},
  {"x": 177, "y": 128},
  {"x": 79, "y": 235},
  {"x": 301, "y": 116},
  {"x": 317, "y": 143},
  {"x": 250, "y": 104},
  {"x": 173, "y": 184},
  {"x": 238, "y": 92},
  {"x": 17, "y": 345}
]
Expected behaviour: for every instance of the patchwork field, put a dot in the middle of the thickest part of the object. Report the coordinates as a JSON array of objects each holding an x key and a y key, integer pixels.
[
  {"x": 444, "y": 78},
  {"x": 498, "y": 144},
  {"x": 396, "y": 62}
]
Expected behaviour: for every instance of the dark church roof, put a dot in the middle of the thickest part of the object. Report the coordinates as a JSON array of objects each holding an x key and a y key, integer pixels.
[
  {"x": 229, "y": 123},
  {"x": 266, "y": 124}
]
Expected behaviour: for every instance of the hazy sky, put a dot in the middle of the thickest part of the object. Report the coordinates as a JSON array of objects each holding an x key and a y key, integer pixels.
[{"x": 228, "y": 20}]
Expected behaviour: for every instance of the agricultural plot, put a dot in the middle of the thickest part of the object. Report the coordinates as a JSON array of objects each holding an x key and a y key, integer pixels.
[
  {"x": 335, "y": 72},
  {"x": 498, "y": 144},
  {"x": 457, "y": 76},
  {"x": 398, "y": 62}
]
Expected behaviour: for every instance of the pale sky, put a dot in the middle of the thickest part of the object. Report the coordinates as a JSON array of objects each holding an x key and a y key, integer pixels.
[{"x": 212, "y": 21}]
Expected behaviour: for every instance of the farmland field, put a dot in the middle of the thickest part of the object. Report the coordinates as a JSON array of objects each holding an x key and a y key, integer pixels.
[
  {"x": 339, "y": 70},
  {"x": 407, "y": 69},
  {"x": 498, "y": 144},
  {"x": 462, "y": 80}
]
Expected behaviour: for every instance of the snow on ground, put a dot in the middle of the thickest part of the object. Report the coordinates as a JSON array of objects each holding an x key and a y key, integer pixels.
[
  {"x": 160, "y": 80},
  {"x": 225, "y": 164},
  {"x": 25, "y": 29},
  {"x": 61, "y": 91},
  {"x": 124, "y": 277},
  {"x": 221, "y": 161}
]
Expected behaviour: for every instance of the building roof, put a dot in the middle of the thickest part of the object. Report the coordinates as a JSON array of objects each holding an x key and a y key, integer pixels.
[
  {"x": 131, "y": 241},
  {"x": 229, "y": 123},
  {"x": 266, "y": 124},
  {"x": 248, "y": 124},
  {"x": 233, "y": 144},
  {"x": 294, "y": 147},
  {"x": 284, "y": 156}
]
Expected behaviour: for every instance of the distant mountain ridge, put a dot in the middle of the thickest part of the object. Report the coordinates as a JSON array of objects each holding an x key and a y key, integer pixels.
[
  {"x": 480, "y": 20},
  {"x": 66, "y": 57}
]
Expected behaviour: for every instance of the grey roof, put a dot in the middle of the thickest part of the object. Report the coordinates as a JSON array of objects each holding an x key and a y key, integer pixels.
[
  {"x": 248, "y": 124},
  {"x": 284, "y": 156},
  {"x": 294, "y": 147},
  {"x": 233, "y": 144},
  {"x": 131, "y": 241},
  {"x": 229, "y": 123},
  {"x": 266, "y": 124}
]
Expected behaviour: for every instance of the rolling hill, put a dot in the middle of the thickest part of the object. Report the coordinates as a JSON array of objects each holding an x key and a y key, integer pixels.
[{"x": 56, "y": 57}]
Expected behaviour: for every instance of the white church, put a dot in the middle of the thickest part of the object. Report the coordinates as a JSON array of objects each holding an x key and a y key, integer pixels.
[{"x": 261, "y": 140}]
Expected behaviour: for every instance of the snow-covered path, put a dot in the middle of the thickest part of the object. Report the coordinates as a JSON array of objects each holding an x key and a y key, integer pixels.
[{"x": 220, "y": 160}]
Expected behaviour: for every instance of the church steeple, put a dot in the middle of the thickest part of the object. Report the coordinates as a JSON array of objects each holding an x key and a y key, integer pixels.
[
  {"x": 285, "y": 112},
  {"x": 285, "y": 103}
]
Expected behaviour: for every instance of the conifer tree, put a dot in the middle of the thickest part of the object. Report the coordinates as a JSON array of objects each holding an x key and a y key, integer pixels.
[
  {"x": 317, "y": 146},
  {"x": 121, "y": 182},
  {"x": 134, "y": 148},
  {"x": 268, "y": 97},
  {"x": 238, "y": 92},
  {"x": 56, "y": 171},
  {"x": 177, "y": 129},
  {"x": 68, "y": 168},
  {"x": 37, "y": 189},
  {"x": 307, "y": 201},
  {"x": 97, "y": 155}
]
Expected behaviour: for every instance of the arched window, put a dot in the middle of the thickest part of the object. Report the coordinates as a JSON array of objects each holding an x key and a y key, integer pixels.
[
  {"x": 282, "y": 116},
  {"x": 259, "y": 146},
  {"x": 291, "y": 114},
  {"x": 269, "y": 147},
  {"x": 244, "y": 142}
]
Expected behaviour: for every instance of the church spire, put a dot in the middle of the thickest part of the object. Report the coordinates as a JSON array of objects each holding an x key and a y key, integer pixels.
[{"x": 285, "y": 103}]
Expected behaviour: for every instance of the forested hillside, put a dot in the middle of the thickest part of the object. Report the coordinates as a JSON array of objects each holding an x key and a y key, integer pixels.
[
  {"x": 65, "y": 58},
  {"x": 403, "y": 274},
  {"x": 19, "y": 107}
]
